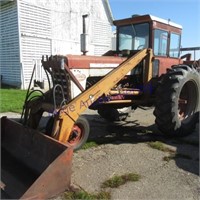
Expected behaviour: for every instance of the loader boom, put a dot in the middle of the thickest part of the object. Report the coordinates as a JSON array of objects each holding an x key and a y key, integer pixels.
[{"x": 68, "y": 114}]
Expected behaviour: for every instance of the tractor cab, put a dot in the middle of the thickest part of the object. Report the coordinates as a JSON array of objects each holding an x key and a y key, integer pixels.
[{"x": 147, "y": 31}]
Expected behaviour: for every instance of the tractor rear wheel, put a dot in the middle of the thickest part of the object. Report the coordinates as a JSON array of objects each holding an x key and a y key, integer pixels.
[{"x": 177, "y": 101}]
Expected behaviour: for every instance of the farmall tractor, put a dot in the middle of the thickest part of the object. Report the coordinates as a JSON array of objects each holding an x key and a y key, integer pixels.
[
  {"x": 161, "y": 78},
  {"x": 173, "y": 83},
  {"x": 145, "y": 70}
]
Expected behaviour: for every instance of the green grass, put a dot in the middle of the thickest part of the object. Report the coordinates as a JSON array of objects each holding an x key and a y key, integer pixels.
[
  {"x": 85, "y": 195},
  {"x": 113, "y": 182},
  {"x": 88, "y": 145},
  {"x": 116, "y": 181},
  {"x": 12, "y": 100},
  {"x": 172, "y": 156},
  {"x": 160, "y": 146}
]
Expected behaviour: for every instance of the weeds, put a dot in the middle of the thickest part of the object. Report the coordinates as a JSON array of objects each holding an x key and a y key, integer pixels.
[
  {"x": 116, "y": 181},
  {"x": 88, "y": 145},
  {"x": 85, "y": 195},
  {"x": 113, "y": 182},
  {"x": 160, "y": 146},
  {"x": 173, "y": 155}
]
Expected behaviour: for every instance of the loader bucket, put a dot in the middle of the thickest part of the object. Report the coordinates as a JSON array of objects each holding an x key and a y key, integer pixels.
[{"x": 33, "y": 165}]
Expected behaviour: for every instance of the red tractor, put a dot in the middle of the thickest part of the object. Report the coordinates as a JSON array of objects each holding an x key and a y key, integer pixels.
[
  {"x": 161, "y": 78},
  {"x": 172, "y": 85}
]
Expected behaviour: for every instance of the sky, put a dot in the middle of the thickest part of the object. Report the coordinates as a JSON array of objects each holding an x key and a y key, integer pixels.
[{"x": 183, "y": 12}]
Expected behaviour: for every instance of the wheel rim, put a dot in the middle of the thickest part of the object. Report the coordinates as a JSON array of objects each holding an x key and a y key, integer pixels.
[
  {"x": 76, "y": 135},
  {"x": 187, "y": 101}
]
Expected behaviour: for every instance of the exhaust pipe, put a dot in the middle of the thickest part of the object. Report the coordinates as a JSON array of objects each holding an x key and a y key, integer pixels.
[{"x": 84, "y": 37}]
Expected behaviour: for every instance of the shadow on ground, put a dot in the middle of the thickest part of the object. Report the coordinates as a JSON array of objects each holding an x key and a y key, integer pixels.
[
  {"x": 104, "y": 132},
  {"x": 187, "y": 148}
]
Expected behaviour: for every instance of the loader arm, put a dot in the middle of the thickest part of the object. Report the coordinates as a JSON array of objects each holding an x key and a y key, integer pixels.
[{"x": 68, "y": 114}]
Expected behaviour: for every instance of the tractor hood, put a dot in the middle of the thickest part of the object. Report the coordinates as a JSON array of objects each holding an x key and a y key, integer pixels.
[{"x": 87, "y": 62}]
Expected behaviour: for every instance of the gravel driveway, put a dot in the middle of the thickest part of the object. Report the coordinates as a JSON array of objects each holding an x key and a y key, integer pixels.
[{"x": 123, "y": 148}]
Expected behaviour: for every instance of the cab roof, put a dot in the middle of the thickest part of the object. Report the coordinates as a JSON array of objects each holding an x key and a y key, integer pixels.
[{"x": 145, "y": 18}]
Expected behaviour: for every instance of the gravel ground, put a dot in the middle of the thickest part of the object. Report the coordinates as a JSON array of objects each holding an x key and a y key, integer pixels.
[
  {"x": 128, "y": 152},
  {"x": 123, "y": 148}
]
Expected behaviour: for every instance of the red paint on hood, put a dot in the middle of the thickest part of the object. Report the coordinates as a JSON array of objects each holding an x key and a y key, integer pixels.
[{"x": 83, "y": 62}]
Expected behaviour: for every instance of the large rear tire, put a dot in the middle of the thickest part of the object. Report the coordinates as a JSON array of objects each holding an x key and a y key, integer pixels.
[{"x": 177, "y": 101}]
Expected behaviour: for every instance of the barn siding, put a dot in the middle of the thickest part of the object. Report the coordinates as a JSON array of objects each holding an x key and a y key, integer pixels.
[
  {"x": 34, "y": 28},
  {"x": 66, "y": 22},
  {"x": 10, "y": 67},
  {"x": 35, "y": 31},
  {"x": 102, "y": 33}
]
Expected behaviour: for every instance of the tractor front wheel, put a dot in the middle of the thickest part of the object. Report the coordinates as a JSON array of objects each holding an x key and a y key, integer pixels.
[
  {"x": 177, "y": 101},
  {"x": 79, "y": 133}
]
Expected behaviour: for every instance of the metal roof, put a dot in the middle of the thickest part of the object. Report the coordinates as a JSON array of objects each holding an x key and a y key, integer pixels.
[{"x": 165, "y": 21}]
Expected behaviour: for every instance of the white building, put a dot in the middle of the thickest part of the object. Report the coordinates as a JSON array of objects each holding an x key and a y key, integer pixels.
[{"x": 32, "y": 28}]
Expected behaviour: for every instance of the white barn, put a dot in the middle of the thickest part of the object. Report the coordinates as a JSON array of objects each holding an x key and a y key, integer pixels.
[{"x": 32, "y": 28}]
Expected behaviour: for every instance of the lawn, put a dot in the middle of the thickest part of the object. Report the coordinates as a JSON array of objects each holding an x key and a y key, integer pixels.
[{"x": 12, "y": 100}]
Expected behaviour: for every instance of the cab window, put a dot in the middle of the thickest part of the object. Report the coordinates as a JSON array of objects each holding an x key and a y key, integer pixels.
[
  {"x": 160, "y": 42},
  {"x": 174, "y": 49},
  {"x": 133, "y": 36}
]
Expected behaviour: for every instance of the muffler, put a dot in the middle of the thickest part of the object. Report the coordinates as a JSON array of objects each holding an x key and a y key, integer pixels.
[{"x": 33, "y": 165}]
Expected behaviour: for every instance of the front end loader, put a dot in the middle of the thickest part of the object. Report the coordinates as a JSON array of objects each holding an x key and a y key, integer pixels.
[
  {"x": 66, "y": 123},
  {"x": 35, "y": 164}
]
